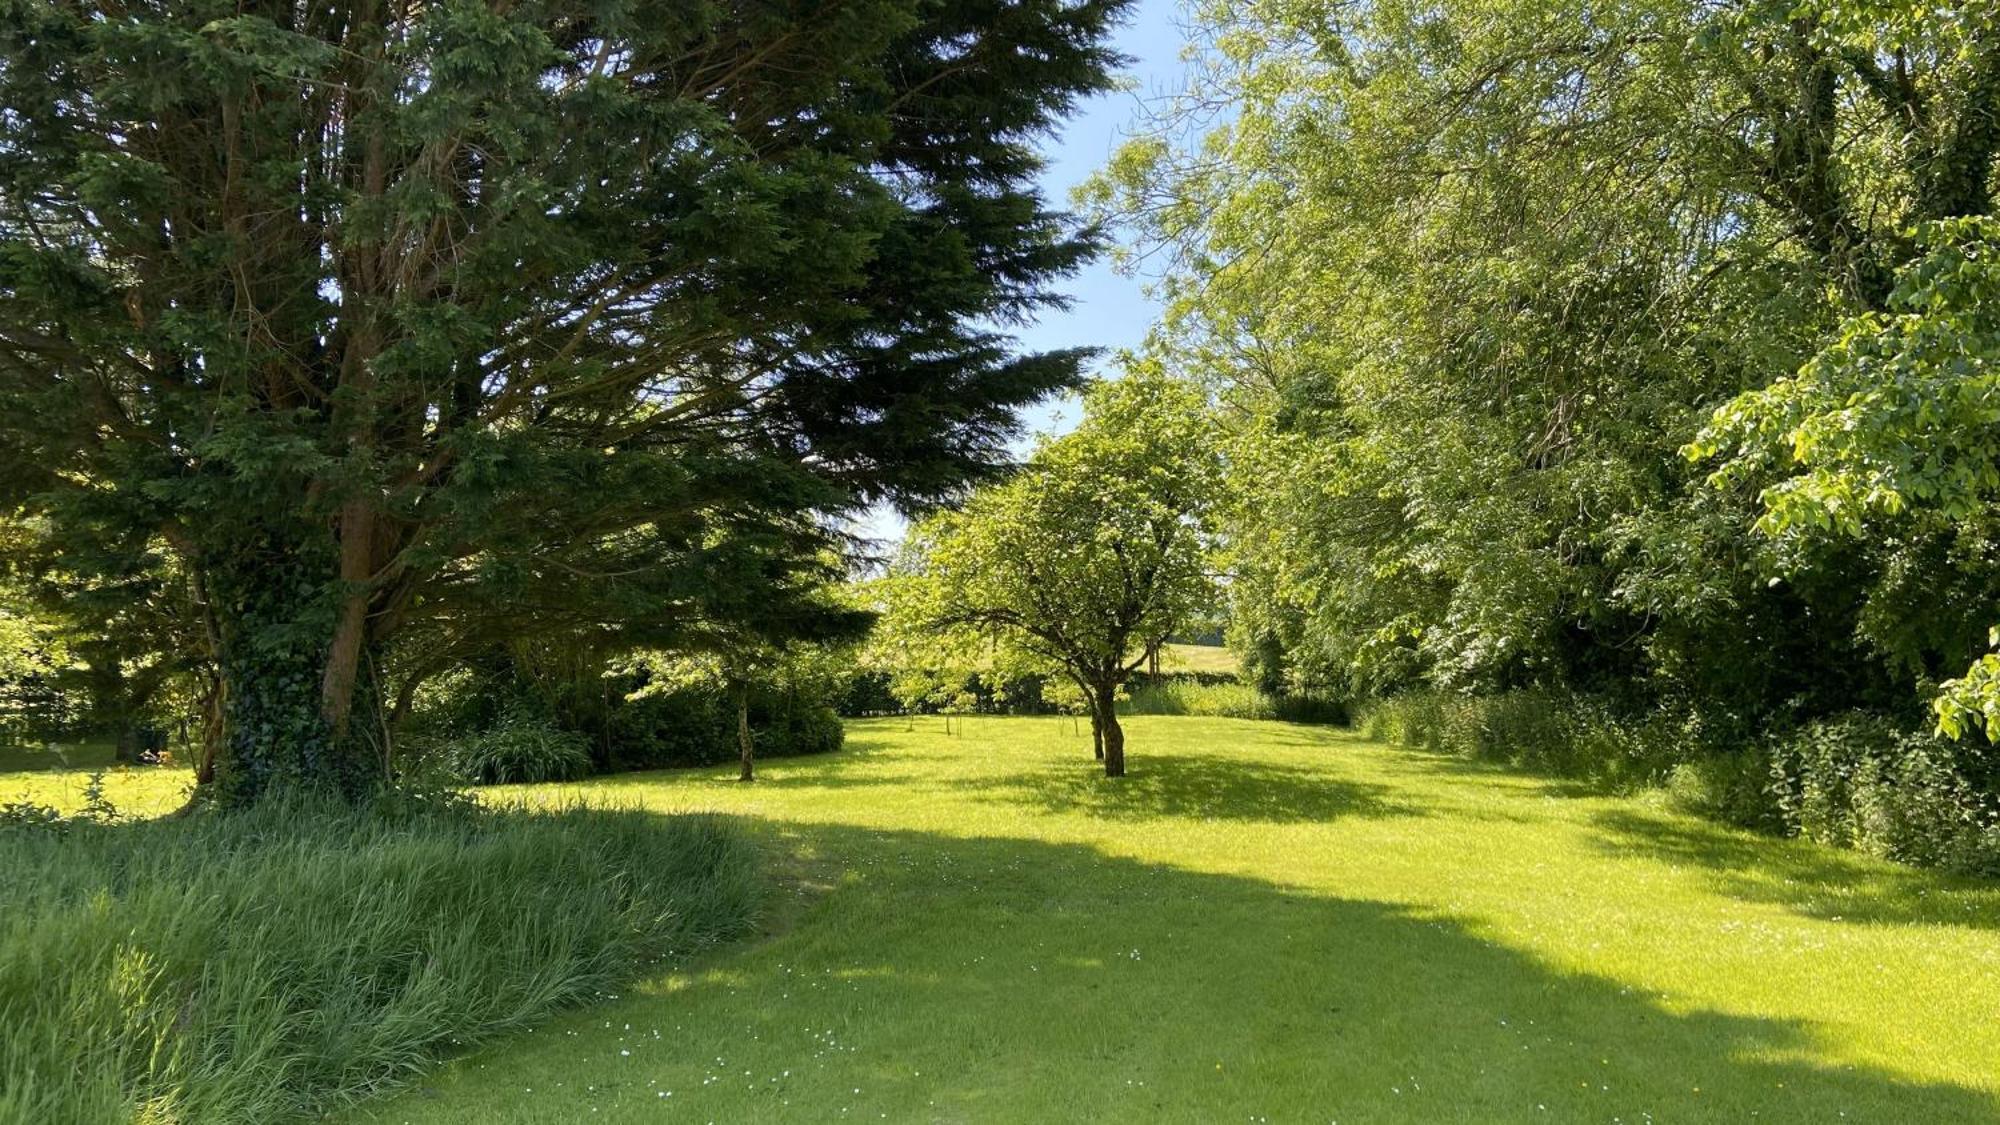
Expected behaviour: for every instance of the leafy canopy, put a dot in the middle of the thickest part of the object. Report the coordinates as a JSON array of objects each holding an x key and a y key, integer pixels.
[
  {"x": 1098, "y": 549},
  {"x": 455, "y": 320}
]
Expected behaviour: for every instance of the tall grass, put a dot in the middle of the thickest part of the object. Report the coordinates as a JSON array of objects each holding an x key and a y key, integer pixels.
[
  {"x": 1170, "y": 696},
  {"x": 270, "y": 965},
  {"x": 1573, "y": 736}
]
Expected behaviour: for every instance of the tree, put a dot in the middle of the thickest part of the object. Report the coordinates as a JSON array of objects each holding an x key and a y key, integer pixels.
[
  {"x": 1894, "y": 426},
  {"x": 777, "y": 639},
  {"x": 1088, "y": 558},
  {"x": 456, "y": 319},
  {"x": 1467, "y": 276}
]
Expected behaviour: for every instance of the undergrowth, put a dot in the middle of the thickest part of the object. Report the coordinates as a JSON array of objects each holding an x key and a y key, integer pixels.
[{"x": 273, "y": 964}]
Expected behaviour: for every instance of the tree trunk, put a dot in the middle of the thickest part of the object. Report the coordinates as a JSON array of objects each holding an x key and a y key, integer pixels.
[
  {"x": 1111, "y": 735},
  {"x": 1096, "y": 732},
  {"x": 743, "y": 742},
  {"x": 211, "y": 731},
  {"x": 350, "y": 633},
  {"x": 127, "y": 751},
  {"x": 279, "y": 610}
]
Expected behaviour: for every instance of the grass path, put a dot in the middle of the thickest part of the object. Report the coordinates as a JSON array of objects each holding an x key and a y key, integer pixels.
[{"x": 1266, "y": 922}]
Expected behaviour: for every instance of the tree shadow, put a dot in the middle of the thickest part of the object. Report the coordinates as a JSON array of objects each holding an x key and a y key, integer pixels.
[
  {"x": 950, "y": 979},
  {"x": 1193, "y": 785},
  {"x": 1809, "y": 879},
  {"x": 78, "y": 757},
  {"x": 1542, "y": 781},
  {"x": 861, "y": 763}
]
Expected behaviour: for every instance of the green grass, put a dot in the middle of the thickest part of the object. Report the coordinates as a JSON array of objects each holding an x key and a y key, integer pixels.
[
  {"x": 56, "y": 774},
  {"x": 1198, "y": 658},
  {"x": 271, "y": 966},
  {"x": 1266, "y": 922}
]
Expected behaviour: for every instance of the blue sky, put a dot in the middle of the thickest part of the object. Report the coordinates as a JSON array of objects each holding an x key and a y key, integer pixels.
[{"x": 1110, "y": 311}]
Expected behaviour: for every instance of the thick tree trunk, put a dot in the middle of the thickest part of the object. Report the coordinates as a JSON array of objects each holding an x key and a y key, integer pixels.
[
  {"x": 128, "y": 747},
  {"x": 1096, "y": 733},
  {"x": 743, "y": 742},
  {"x": 1112, "y": 736},
  {"x": 282, "y": 659}
]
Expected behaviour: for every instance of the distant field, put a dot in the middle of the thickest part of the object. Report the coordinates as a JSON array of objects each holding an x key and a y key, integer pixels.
[{"x": 1198, "y": 658}]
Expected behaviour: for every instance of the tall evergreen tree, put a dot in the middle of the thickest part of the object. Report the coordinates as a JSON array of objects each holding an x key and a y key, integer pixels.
[{"x": 532, "y": 316}]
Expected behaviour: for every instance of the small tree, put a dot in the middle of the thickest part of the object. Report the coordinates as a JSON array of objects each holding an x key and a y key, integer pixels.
[
  {"x": 927, "y": 668},
  {"x": 764, "y": 642},
  {"x": 1089, "y": 557}
]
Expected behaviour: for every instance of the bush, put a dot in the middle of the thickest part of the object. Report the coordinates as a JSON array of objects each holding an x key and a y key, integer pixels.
[
  {"x": 1732, "y": 788},
  {"x": 1186, "y": 697},
  {"x": 867, "y": 692},
  {"x": 520, "y": 750},
  {"x": 696, "y": 726},
  {"x": 1569, "y": 735},
  {"x": 278, "y": 963},
  {"x": 500, "y": 725},
  {"x": 1860, "y": 782}
]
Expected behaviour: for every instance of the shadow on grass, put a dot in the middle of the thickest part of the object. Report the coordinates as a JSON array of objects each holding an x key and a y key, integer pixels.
[
  {"x": 860, "y": 763},
  {"x": 1810, "y": 879},
  {"x": 1543, "y": 779},
  {"x": 1193, "y": 785},
  {"x": 1008, "y": 980},
  {"x": 77, "y": 757}
]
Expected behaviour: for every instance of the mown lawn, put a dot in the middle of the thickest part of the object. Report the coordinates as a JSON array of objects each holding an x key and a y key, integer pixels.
[
  {"x": 1199, "y": 658},
  {"x": 1265, "y": 922},
  {"x": 59, "y": 774}
]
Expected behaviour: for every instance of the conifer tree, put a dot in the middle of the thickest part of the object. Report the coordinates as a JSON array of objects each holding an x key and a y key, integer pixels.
[{"x": 543, "y": 316}]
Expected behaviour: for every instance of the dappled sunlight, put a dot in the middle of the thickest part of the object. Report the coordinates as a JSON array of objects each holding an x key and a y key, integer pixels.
[
  {"x": 133, "y": 790},
  {"x": 980, "y": 926}
]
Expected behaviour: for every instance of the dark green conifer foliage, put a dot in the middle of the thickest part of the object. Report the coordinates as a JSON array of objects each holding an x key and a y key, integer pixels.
[{"x": 464, "y": 317}]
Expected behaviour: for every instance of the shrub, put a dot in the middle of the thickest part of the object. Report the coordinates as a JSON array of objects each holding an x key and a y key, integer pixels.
[
  {"x": 1858, "y": 781},
  {"x": 866, "y": 692},
  {"x": 1187, "y": 697},
  {"x": 696, "y": 726},
  {"x": 278, "y": 963},
  {"x": 1732, "y": 788},
  {"x": 503, "y": 726},
  {"x": 521, "y": 750},
  {"x": 1569, "y": 735}
]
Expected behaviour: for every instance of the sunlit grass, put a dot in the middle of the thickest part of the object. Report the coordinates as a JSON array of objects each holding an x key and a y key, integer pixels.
[
  {"x": 58, "y": 774},
  {"x": 1198, "y": 658},
  {"x": 1267, "y": 922}
]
